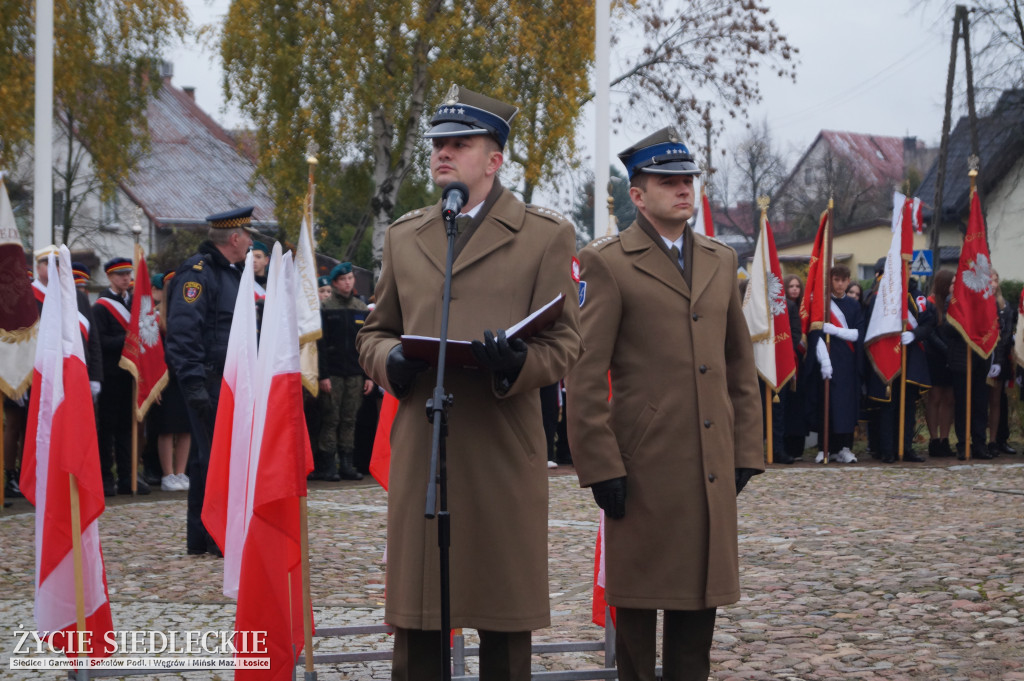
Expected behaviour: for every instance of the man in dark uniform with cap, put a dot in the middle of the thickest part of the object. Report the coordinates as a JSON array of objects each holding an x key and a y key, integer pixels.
[
  {"x": 510, "y": 259},
  {"x": 342, "y": 381},
  {"x": 114, "y": 410},
  {"x": 666, "y": 456},
  {"x": 201, "y": 303}
]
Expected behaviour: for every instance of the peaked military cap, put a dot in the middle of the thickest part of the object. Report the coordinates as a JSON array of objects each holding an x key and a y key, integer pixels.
[
  {"x": 45, "y": 251},
  {"x": 81, "y": 273},
  {"x": 236, "y": 217},
  {"x": 118, "y": 266},
  {"x": 661, "y": 153},
  {"x": 340, "y": 269},
  {"x": 464, "y": 112}
]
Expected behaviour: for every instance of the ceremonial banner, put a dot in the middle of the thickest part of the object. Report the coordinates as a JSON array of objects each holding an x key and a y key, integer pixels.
[
  {"x": 227, "y": 508},
  {"x": 265, "y": 487},
  {"x": 818, "y": 289},
  {"x": 972, "y": 307},
  {"x": 143, "y": 353},
  {"x": 598, "y": 603},
  {"x": 706, "y": 224},
  {"x": 882, "y": 340},
  {"x": 19, "y": 314},
  {"x": 307, "y": 306},
  {"x": 380, "y": 458},
  {"x": 764, "y": 308},
  {"x": 60, "y": 470}
]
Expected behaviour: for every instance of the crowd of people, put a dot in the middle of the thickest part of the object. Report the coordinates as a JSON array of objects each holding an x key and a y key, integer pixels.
[
  {"x": 650, "y": 378},
  {"x": 936, "y": 374}
]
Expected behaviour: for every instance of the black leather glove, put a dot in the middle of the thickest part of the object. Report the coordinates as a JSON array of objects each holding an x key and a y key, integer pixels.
[
  {"x": 401, "y": 370},
  {"x": 502, "y": 356},
  {"x": 743, "y": 476},
  {"x": 610, "y": 495},
  {"x": 197, "y": 398}
]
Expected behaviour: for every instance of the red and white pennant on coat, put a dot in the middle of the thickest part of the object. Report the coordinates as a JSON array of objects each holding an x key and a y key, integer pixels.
[
  {"x": 254, "y": 492},
  {"x": 764, "y": 308},
  {"x": 60, "y": 476}
]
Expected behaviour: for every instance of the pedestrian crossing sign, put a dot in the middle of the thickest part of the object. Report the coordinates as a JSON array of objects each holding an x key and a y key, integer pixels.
[{"x": 921, "y": 263}]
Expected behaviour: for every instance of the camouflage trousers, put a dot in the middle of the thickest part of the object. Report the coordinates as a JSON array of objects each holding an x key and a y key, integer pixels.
[{"x": 338, "y": 414}]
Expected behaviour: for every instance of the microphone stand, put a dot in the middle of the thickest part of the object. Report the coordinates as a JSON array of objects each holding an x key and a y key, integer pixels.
[{"x": 437, "y": 412}]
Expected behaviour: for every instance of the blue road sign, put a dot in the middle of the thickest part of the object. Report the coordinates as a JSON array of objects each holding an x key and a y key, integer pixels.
[{"x": 922, "y": 263}]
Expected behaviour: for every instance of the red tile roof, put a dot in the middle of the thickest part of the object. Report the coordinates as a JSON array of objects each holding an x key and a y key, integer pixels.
[{"x": 878, "y": 160}]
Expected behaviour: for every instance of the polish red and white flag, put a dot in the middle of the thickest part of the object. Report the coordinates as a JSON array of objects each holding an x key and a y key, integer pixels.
[
  {"x": 263, "y": 517},
  {"x": 60, "y": 476}
]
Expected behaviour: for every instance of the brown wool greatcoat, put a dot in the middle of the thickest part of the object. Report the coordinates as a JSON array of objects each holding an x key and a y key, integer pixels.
[
  {"x": 518, "y": 259},
  {"x": 684, "y": 414}
]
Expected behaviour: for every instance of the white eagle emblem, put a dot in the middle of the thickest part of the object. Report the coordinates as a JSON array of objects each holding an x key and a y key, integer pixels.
[
  {"x": 978, "y": 277},
  {"x": 149, "y": 332},
  {"x": 776, "y": 296}
]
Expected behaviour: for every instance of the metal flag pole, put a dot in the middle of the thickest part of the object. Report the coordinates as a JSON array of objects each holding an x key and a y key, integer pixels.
[{"x": 903, "y": 367}]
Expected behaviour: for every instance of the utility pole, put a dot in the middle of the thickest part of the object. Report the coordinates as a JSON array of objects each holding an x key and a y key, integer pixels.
[{"x": 961, "y": 28}]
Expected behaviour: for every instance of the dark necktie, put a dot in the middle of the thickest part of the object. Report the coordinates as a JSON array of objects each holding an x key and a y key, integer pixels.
[
  {"x": 676, "y": 256},
  {"x": 461, "y": 222}
]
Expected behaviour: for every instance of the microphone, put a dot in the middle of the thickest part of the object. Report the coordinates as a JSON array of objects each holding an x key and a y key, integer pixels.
[{"x": 454, "y": 197}]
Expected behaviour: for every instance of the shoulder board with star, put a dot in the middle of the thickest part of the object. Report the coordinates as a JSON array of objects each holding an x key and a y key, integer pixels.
[
  {"x": 604, "y": 242},
  {"x": 552, "y": 215},
  {"x": 410, "y": 215},
  {"x": 198, "y": 267}
]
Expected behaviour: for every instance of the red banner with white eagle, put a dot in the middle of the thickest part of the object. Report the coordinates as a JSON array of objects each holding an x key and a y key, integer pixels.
[
  {"x": 143, "y": 354},
  {"x": 972, "y": 304}
]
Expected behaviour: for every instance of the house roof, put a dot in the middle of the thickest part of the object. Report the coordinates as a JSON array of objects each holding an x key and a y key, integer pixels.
[
  {"x": 1000, "y": 145},
  {"x": 193, "y": 168},
  {"x": 877, "y": 160}
]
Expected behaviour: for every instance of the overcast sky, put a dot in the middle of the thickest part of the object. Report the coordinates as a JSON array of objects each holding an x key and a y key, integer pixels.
[{"x": 868, "y": 66}]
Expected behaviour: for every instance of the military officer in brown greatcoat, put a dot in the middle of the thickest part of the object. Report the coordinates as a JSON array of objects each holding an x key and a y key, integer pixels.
[
  {"x": 681, "y": 435},
  {"x": 511, "y": 259}
]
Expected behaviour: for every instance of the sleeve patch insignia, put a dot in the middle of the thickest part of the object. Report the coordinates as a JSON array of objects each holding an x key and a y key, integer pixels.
[
  {"x": 583, "y": 292},
  {"x": 576, "y": 269},
  {"x": 191, "y": 291}
]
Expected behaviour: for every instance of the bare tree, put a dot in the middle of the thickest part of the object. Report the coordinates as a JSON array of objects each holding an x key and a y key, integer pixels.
[{"x": 755, "y": 168}]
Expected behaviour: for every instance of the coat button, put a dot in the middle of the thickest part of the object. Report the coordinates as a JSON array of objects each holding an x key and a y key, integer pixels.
[
  {"x": 703, "y": 369},
  {"x": 711, "y": 477},
  {"x": 707, "y": 423},
  {"x": 694, "y": 316}
]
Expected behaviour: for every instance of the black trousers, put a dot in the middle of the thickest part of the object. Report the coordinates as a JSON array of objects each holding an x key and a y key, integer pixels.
[
  {"x": 504, "y": 655},
  {"x": 114, "y": 423},
  {"x": 979, "y": 404},
  {"x": 885, "y": 426},
  {"x": 549, "y": 416},
  {"x": 196, "y": 536},
  {"x": 685, "y": 648}
]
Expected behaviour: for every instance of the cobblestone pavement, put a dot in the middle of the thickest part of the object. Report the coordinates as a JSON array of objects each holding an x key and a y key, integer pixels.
[{"x": 856, "y": 571}]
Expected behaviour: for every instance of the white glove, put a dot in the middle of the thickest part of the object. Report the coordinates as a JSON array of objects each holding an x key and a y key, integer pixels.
[
  {"x": 823, "y": 359},
  {"x": 907, "y": 337},
  {"x": 94, "y": 388},
  {"x": 845, "y": 334},
  {"x": 993, "y": 372}
]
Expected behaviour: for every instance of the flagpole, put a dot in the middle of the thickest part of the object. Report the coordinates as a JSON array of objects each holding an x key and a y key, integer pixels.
[
  {"x": 972, "y": 174},
  {"x": 307, "y": 600},
  {"x": 76, "y": 553},
  {"x": 135, "y": 379},
  {"x": 902, "y": 409},
  {"x": 826, "y": 317},
  {"x": 769, "y": 391}
]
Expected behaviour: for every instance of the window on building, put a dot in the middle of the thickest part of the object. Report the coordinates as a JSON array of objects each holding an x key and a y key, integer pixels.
[{"x": 108, "y": 215}]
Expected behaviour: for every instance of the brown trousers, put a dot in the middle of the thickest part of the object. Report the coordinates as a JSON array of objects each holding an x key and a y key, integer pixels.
[
  {"x": 685, "y": 649},
  {"x": 504, "y": 655}
]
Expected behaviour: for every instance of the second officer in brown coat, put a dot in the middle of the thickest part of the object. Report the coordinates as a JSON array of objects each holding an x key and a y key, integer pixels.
[
  {"x": 667, "y": 455},
  {"x": 511, "y": 260}
]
